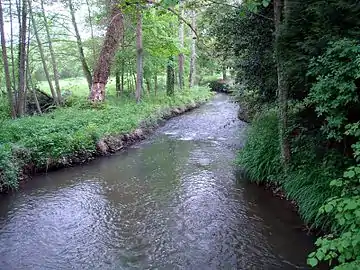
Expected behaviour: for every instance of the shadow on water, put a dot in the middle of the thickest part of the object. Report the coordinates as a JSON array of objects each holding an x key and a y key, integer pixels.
[{"x": 170, "y": 202}]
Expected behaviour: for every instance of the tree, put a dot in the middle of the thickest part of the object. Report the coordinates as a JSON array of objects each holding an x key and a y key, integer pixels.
[
  {"x": 22, "y": 60},
  {"x": 139, "y": 55},
  {"x": 102, "y": 68},
  {"x": 42, "y": 55},
  {"x": 193, "y": 51},
  {"x": 52, "y": 54},
  {"x": 6, "y": 63},
  {"x": 181, "y": 41},
  {"x": 79, "y": 43}
]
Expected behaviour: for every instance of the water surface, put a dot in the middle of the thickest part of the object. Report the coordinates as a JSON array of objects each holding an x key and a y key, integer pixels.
[{"x": 173, "y": 201}]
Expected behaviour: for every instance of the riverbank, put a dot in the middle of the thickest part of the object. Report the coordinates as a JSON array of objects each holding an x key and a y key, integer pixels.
[{"x": 77, "y": 134}]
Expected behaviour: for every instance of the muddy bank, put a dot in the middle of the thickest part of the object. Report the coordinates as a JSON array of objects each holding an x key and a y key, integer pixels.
[{"x": 105, "y": 146}]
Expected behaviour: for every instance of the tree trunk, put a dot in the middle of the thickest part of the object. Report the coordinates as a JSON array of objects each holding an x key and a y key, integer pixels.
[
  {"x": 224, "y": 73},
  {"x": 170, "y": 77},
  {"x": 148, "y": 85},
  {"x": 117, "y": 82},
  {"x": 91, "y": 31},
  {"x": 12, "y": 46},
  {"x": 42, "y": 55},
  {"x": 6, "y": 63},
  {"x": 156, "y": 84},
  {"x": 52, "y": 55},
  {"x": 84, "y": 64},
  {"x": 102, "y": 68},
  {"x": 282, "y": 83},
  {"x": 193, "y": 51},
  {"x": 139, "y": 56},
  {"x": 181, "y": 40},
  {"x": 22, "y": 60}
]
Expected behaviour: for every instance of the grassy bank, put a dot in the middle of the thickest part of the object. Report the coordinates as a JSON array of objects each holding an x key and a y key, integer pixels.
[
  {"x": 39, "y": 141},
  {"x": 307, "y": 181}
]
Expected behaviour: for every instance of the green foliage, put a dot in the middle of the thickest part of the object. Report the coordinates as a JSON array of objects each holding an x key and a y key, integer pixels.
[
  {"x": 75, "y": 130},
  {"x": 260, "y": 155},
  {"x": 342, "y": 247},
  {"x": 335, "y": 92}
]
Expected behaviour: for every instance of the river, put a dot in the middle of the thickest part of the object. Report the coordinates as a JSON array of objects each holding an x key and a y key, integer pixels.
[{"x": 173, "y": 201}]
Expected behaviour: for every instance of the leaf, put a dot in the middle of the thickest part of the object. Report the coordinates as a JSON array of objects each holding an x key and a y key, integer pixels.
[
  {"x": 312, "y": 262},
  {"x": 265, "y": 3},
  {"x": 328, "y": 208},
  {"x": 349, "y": 174}
]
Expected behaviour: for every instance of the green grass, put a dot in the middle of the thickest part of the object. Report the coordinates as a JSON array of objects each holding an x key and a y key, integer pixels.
[
  {"x": 308, "y": 177},
  {"x": 76, "y": 129}
]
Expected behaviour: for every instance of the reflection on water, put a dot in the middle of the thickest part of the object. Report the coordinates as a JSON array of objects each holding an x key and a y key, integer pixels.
[{"x": 171, "y": 202}]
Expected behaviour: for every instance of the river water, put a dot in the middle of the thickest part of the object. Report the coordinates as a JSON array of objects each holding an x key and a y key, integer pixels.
[{"x": 173, "y": 201}]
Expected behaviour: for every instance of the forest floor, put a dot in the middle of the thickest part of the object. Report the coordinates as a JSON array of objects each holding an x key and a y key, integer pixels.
[{"x": 79, "y": 132}]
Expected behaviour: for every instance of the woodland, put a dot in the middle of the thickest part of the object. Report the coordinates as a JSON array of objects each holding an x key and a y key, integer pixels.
[{"x": 74, "y": 71}]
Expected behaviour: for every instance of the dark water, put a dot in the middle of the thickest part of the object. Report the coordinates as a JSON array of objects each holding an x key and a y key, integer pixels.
[{"x": 171, "y": 202}]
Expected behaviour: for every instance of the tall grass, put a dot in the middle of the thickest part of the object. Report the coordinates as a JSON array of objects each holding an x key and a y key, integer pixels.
[{"x": 308, "y": 176}]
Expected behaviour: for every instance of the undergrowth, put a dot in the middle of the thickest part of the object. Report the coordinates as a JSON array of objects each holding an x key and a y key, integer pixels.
[
  {"x": 76, "y": 129},
  {"x": 307, "y": 179}
]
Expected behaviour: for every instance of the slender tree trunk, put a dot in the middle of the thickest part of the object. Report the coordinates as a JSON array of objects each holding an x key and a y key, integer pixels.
[
  {"x": 282, "y": 83},
  {"x": 122, "y": 76},
  {"x": 12, "y": 46},
  {"x": 22, "y": 60},
  {"x": 113, "y": 37},
  {"x": 6, "y": 63},
  {"x": 52, "y": 55},
  {"x": 224, "y": 73},
  {"x": 139, "y": 56},
  {"x": 117, "y": 82},
  {"x": 148, "y": 85},
  {"x": 156, "y": 84},
  {"x": 181, "y": 39},
  {"x": 29, "y": 82},
  {"x": 91, "y": 31},
  {"x": 193, "y": 51},
  {"x": 42, "y": 55},
  {"x": 170, "y": 77},
  {"x": 84, "y": 64}
]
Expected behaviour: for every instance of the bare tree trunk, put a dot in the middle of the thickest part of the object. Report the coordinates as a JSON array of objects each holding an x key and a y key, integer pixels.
[
  {"x": 181, "y": 39},
  {"x": 91, "y": 31},
  {"x": 117, "y": 82},
  {"x": 6, "y": 63},
  {"x": 113, "y": 37},
  {"x": 224, "y": 73},
  {"x": 170, "y": 77},
  {"x": 193, "y": 51},
  {"x": 156, "y": 87},
  {"x": 12, "y": 46},
  {"x": 52, "y": 55},
  {"x": 42, "y": 55},
  {"x": 122, "y": 75},
  {"x": 29, "y": 82},
  {"x": 139, "y": 56},
  {"x": 282, "y": 84},
  {"x": 84, "y": 64},
  {"x": 22, "y": 60},
  {"x": 148, "y": 85}
]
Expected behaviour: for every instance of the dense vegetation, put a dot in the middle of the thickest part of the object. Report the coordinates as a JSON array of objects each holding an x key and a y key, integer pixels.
[{"x": 297, "y": 67}]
